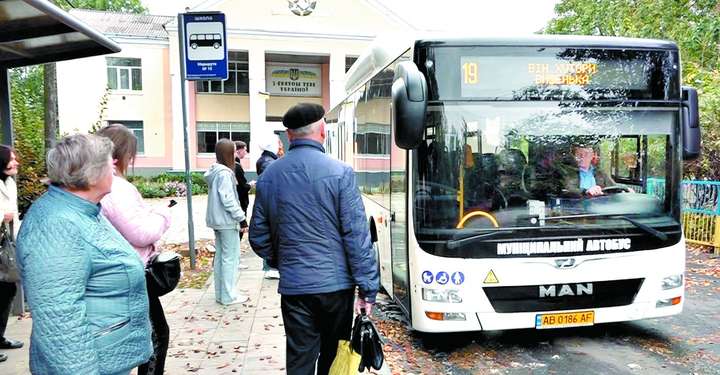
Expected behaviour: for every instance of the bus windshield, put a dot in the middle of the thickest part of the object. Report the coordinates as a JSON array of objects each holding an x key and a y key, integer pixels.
[{"x": 521, "y": 168}]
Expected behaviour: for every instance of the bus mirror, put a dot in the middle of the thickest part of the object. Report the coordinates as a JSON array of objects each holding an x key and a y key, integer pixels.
[
  {"x": 690, "y": 124},
  {"x": 409, "y": 100}
]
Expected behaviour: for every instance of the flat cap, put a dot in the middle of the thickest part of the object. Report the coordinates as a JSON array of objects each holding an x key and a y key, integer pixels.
[{"x": 303, "y": 114}]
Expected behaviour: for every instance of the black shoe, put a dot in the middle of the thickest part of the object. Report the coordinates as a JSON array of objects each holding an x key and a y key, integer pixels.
[
  {"x": 10, "y": 344},
  {"x": 3, "y": 357}
]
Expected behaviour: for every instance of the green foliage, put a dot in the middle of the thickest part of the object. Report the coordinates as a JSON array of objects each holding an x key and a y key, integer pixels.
[
  {"x": 168, "y": 185},
  {"x": 693, "y": 25},
  {"x": 27, "y": 113},
  {"x": 125, "y": 6}
]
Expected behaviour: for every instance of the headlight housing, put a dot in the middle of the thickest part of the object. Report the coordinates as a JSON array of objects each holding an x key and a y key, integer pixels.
[
  {"x": 672, "y": 282},
  {"x": 441, "y": 295}
]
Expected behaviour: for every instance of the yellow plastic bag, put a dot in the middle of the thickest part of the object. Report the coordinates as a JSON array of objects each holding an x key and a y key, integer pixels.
[{"x": 346, "y": 361}]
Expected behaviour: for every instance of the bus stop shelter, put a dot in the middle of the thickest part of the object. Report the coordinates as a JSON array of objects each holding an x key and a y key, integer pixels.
[{"x": 37, "y": 32}]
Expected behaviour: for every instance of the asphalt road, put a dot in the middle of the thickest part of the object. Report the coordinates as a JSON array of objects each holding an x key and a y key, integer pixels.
[{"x": 688, "y": 343}]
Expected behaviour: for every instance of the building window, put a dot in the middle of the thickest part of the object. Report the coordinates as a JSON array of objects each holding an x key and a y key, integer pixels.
[
  {"x": 349, "y": 61},
  {"x": 124, "y": 73},
  {"x": 208, "y": 134},
  {"x": 372, "y": 139},
  {"x": 238, "y": 80},
  {"x": 136, "y": 127}
]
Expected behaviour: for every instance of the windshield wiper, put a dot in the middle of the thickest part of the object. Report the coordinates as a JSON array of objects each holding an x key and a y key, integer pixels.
[
  {"x": 646, "y": 228},
  {"x": 454, "y": 244}
]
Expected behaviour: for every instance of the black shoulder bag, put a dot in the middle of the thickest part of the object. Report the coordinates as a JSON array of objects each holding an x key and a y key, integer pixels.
[{"x": 162, "y": 273}]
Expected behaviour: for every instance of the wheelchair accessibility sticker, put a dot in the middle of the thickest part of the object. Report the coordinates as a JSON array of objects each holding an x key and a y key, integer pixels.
[
  {"x": 427, "y": 277},
  {"x": 442, "y": 277}
]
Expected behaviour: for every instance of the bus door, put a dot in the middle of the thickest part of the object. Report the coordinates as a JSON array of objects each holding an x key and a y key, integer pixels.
[{"x": 399, "y": 227}]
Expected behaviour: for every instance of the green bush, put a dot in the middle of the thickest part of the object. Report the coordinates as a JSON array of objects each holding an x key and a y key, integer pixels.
[
  {"x": 151, "y": 189},
  {"x": 168, "y": 185}
]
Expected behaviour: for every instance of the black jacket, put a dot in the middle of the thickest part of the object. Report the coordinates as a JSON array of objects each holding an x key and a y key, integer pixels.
[
  {"x": 243, "y": 188},
  {"x": 265, "y": 159}
]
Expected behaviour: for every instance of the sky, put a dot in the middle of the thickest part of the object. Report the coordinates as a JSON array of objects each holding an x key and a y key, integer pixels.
[{"x": 482, "y": 17}]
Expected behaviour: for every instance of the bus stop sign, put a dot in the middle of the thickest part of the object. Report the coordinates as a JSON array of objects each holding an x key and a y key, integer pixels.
[{"x": 205, "y": 46}]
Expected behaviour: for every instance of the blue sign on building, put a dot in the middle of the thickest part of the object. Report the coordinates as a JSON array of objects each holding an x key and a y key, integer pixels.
[{"x": 205, "y": 46}]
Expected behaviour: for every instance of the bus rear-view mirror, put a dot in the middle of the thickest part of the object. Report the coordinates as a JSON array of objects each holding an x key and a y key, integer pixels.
[
  {"x": 691, "y": 124},
  {"x": 409, "y": 99}
]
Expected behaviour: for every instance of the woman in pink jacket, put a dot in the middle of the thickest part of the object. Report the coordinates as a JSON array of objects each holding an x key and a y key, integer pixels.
[{"x": 142, "y": 226}]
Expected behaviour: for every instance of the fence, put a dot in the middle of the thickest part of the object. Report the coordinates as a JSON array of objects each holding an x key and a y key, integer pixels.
[{"x": 700, "y": 210}]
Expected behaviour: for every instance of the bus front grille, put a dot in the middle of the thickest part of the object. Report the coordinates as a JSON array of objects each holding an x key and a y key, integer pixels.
[{"x": 570, "y": 296}]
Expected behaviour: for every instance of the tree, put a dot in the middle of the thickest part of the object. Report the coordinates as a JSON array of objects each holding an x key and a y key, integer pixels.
[
  {"x": 693, "y": 25},
  {"x": 26, "y": 95}
]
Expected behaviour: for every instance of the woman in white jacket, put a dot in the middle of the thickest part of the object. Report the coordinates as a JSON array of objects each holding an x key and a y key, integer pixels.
[
  {"x": 223, "y": 215},
  {"x": 9, "y": 210}
]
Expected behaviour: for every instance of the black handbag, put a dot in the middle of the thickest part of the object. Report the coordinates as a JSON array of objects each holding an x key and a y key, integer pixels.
[
  {"x": 162, "y": 273},
  {"x": 9, "y": 272},
  {"x": 367, "y": 342}
]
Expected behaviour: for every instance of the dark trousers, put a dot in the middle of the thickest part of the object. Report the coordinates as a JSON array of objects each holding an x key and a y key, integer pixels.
[
  {"x": 160, "y": 339},
  {"x": 313, "y": 325},
  {"x": 7, "y": 293}
]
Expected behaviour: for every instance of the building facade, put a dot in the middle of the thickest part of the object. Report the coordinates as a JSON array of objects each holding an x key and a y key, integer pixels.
[{"x": 280, "y": 52}]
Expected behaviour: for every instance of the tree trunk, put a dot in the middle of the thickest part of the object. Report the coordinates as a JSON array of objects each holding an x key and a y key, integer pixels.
[{"x": 51, "y": 106}]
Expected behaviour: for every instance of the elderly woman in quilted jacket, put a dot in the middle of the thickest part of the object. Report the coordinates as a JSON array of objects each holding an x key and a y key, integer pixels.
[
  {"x": 84, "y": 282},
  {"x": 140, "y": 224}
]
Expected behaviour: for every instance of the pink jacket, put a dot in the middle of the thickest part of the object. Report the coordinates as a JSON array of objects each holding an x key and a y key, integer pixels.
[{"x": 140, "y": 224}]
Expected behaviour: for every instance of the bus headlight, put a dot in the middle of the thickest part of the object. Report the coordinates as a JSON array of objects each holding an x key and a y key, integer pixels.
[
  {"x": 441, "y": 295},
  {"x": 671, "y": 282}
]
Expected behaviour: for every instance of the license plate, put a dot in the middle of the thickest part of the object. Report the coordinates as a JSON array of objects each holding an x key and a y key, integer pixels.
[{"x": 562, "y": 320}]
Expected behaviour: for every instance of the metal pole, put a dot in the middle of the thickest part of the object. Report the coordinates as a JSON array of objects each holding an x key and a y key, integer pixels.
[
  {"x": 5, "y": 115},
  {"x": 188, "y": 179}
]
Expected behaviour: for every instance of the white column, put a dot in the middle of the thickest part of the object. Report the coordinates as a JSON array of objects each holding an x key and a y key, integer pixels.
[
  {"x": 337, "y": 78},
  {"x": 258, "y": 110}
]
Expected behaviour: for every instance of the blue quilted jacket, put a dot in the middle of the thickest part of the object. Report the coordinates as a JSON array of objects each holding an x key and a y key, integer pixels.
[
  {"x": 86, "y": 289},
  {"x": 308, "y": 210}
]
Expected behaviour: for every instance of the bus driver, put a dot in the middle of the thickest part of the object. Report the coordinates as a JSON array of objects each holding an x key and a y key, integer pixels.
[{"x": 587, "y": 178}]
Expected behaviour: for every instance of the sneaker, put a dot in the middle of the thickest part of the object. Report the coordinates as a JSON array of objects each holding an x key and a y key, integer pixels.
[
  {"x": 243, "y": 266},
  {"x": 272, "y": 274},
  {"x": 239, "y": 299}
]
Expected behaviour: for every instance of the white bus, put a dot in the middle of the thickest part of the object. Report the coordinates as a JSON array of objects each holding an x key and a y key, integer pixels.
[{"x": 478, "y": 161}]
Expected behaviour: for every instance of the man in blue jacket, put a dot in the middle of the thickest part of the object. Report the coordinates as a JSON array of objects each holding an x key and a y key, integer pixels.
[{"x": 309, "y": 221}]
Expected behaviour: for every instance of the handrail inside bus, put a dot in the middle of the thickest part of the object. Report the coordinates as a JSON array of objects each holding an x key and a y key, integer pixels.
[{"x": 471, "y": 215}]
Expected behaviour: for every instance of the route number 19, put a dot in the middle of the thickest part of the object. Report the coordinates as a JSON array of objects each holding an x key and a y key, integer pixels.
[{"x": 470, "y": 73}]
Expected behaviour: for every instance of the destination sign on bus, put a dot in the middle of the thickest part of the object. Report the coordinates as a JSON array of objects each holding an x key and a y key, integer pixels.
[{"x": 482, "y": 75}]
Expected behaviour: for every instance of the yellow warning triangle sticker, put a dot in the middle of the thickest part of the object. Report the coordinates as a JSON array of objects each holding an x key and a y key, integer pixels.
[{"x": 490, "y": 278}]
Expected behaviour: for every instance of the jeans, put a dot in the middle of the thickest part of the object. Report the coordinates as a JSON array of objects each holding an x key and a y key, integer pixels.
[
  {"x": 314, "y": 323},
  {"x": 225, "y": 264}
]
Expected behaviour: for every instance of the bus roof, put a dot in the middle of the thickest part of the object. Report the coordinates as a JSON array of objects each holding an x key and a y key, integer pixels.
[
  {"x": 579, "y": 41},
  {"x": 385, "y": 50}
]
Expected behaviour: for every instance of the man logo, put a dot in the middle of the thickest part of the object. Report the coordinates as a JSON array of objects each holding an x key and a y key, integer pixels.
[
  {"x": 565, "y": 290},
  {"x": 294, "y": 74},
  {"x": 301, "y": 7},
  {"x": 565, "y": 263}
]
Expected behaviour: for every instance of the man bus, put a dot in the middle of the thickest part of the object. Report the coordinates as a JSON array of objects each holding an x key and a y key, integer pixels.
[{"x": 463, "y": 148}]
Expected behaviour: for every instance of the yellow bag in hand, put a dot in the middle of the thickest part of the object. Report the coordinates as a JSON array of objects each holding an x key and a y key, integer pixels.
[{"x": 346, "y": 361}]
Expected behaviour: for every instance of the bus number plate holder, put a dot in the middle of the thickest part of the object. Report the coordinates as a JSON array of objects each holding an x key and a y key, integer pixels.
[{"x": 564, "y": 320}]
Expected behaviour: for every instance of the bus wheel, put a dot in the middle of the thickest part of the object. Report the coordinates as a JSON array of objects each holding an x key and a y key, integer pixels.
[
  {"x": 216, "y": 45},
  {"x": 193, "y": 45}
]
